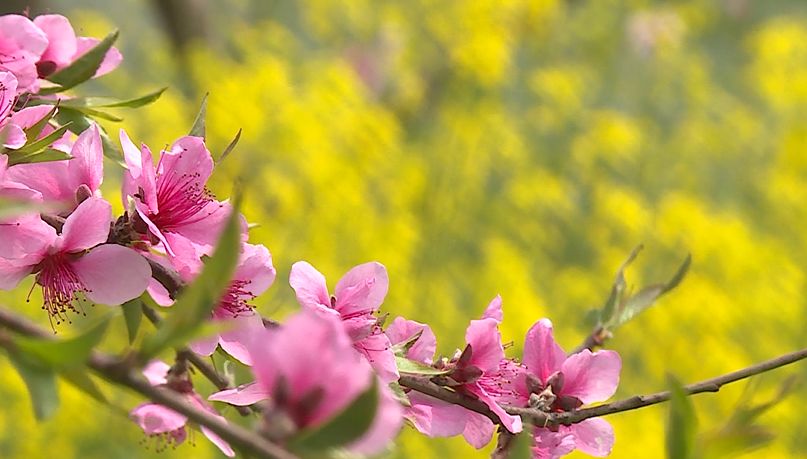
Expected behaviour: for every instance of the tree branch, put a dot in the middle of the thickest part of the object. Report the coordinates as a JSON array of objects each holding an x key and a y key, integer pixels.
[
  {"x": 543, "y": 419},
  {"x": 119, "y": 372}
]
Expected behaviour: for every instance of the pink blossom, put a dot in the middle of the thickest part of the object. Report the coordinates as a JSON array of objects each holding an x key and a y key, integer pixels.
[
  {"x": 357, "y": 297},
  {"x": 557, "y": 383},
  {"x": 64, "y": 47},
  {"x": 481, "y": 371},
  {"x": 172, "y": 206},
  {"x": 69, "y": 181},
  {"x": 12, "y": 190},
  {"x": 309, "y": 372},
  {"x": 75, "y": 261},
  {"x": 21, "y": 45},
  {"x": 165, "y": 425},
  {"x": 253, "y": 275}
]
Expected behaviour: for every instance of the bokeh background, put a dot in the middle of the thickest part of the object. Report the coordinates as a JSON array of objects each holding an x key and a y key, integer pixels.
[{"x": 483, "y": 147}]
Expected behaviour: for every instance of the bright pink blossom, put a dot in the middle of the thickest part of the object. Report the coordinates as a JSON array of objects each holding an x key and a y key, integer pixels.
[
  {"x": 166, "y": 425},
  {"x": 21, "y": 45},
  {"x": 13, "y": 123},
  {"x": 64, "y": 47},
  {"x": 173, "y": 207},
  {"x": 76, "y": 261},
  {"x": 309, "y": 372},
  {"x": 557, "y": 383},
  {"x": 60, "y": 181},
  {"x": 12, "y": 190},
  {"x": 253, "y": 275},
  {"x": 481, "y": 371},
  {"x": 357, "y": 297}
]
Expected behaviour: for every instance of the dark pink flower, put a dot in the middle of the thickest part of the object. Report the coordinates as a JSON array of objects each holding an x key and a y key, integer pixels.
[
  {"x": 165, "y": 425},
  {"x": 309, "y": 372},
  {"x": 357, "y": 297},
  {"x": 64, "y": 47},
  {"x": 76, "y": 261},
  {"x": 557, "y": 383},
  {"x": 21, "y": 45},
  {"x": 172, "y": 206}
]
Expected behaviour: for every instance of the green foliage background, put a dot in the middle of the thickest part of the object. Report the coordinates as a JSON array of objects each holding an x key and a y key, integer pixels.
[{"x": 476, "y": 147}]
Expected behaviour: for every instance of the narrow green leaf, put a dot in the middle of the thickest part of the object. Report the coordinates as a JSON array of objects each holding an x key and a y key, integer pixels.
[
  {"x": 198, "y": 128},
  {"x": 83, "y": 68},
  {"x": 400, "y": 349},
  {"x": 416, "y": 368},
  {"x": 133, "y": 316},
  {"x": 34, "y": 130},
  {"x": 64, "y": 353},
  {"x": 79, "y": 122},
  {"x": 229, "y": 148},
  {"x": 618, "y": 289},
  {"x": 41, "y": 384},
  {"x": 111, "y": 102},
  {"x": 41, "y": 156},
  {"x": 36, "y": 145},
  {"x": 347, "y": 426},
  {"x": 93, "y": 112},
  {"x": 399, "y": 393},
  {"x": 78, "y": 378},
  {"x": 197, "y": 300},
  {"x": 681, "y": 423}
]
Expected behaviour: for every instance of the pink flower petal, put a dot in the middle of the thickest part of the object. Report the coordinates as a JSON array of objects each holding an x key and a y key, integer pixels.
[
  {"x": 234, "y": 341},
  {"x": 244, "y": 395},
  {"x": 205, "y": 346},
  {"x": 386, "y": 424},
  {"x": 113, "y": 274},
  {"x": 255, "y": 267},
  {"x": 494, "y": 310},
  {"x": 591, "y": 377},
  {"x": 424, "y": 347},
  {"x": 156, "y": 371},
  {"x": 29, "y": 116},
  {"x": 51, "y": 179},
  {"x": 542, "y": 355},
  {"x": 156, "y": 419},
  {"x": 22, "y": 43},
  {"x": 309, "y": 285},
  {"x": 552, "y": 445},
  {"x": 377, "y": 349},
  {"x": 594, "y": 436},
  {"x": 436, "y": 418},
  {"x": 509, "y": 421},
  {"x": 13, "y": 136},
  {"x": 362, "y": 289},
  {"x": 222, "y": 445},
  {"x": 27, "y": 237},
  {"x": 486, "y": 344},
  {"x": 11, "y": 274},
  {"x": 188, "y": 161},
  {"x": 87, "y": 226},
  {"x": 61, "y": 38},
  {"x": 478, "y": 430},
  {"x": 139, "y": 174},
  {"x": 87, "y": 165},
  {"x": 204, "y": 228},
  {"x": 8, "y": 93}
]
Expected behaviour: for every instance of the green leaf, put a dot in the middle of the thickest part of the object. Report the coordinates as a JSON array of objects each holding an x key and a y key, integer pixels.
[
  {"x": 34, "y": 130},
  {"x": 63, "y": 353},
  {"x": 681, "y": 423},
  {"x": 44, "y": 142},
  {"x": 229, "y": 148},
  {"x": 83, "y": 68},
  {"x": 522, "y": 447},
  {"x": 111, "y": 102},
  {"x": 42, "y": 156},
  {"x": 78, "y": 378},
  {"x": 79, "y": 122},
  {"x": 646, "y": 297},
  {"x": 133, "y": 316},
  {"x": 399, "y": 393},
  {"x": 347, "y": 426},
  {"x": 198, "y": 128},
  {"x": 89, "y": 111},
  {"x": 41, "y": 384},
  {"x": 197, "y": 300},
  {"x": 416, "y": 368},
  {"x": 618, "y": 289}
]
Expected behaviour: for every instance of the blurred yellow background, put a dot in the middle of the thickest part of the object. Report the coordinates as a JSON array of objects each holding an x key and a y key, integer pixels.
[{"x": 483, "y": 147}]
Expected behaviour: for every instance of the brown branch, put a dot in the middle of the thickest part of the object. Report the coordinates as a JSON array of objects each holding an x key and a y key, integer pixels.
[
  {"x": 167, "y": 277},
  {"x": 119, "y": 372},
  {"x": 541, "y": 418},
  {"x": 594, "y": 340}
]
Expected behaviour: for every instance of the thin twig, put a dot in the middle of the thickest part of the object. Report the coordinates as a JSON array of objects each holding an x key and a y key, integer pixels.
[{"x": 119, "y": 371}]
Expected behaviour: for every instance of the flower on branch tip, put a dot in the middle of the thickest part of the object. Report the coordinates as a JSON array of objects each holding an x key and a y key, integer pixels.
[
  {"x": 166, "y": 426},
  {"x": 21, "y": 45},
  {"x": 357, "y": 297},
  {"x": 480, "y": 371},
  {"x": 556, "y": 383},
  {"x": 77, "y": 261},
  {"x": 172, "y": 207},
  {"x": 308, "y": 372}
]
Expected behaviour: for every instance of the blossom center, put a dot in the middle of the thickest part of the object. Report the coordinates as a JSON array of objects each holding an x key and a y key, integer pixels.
[
  {"x": 234, "y": 302},
  {"x": 60, "y": 284},
  {"x": 180, "y": 199}
]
